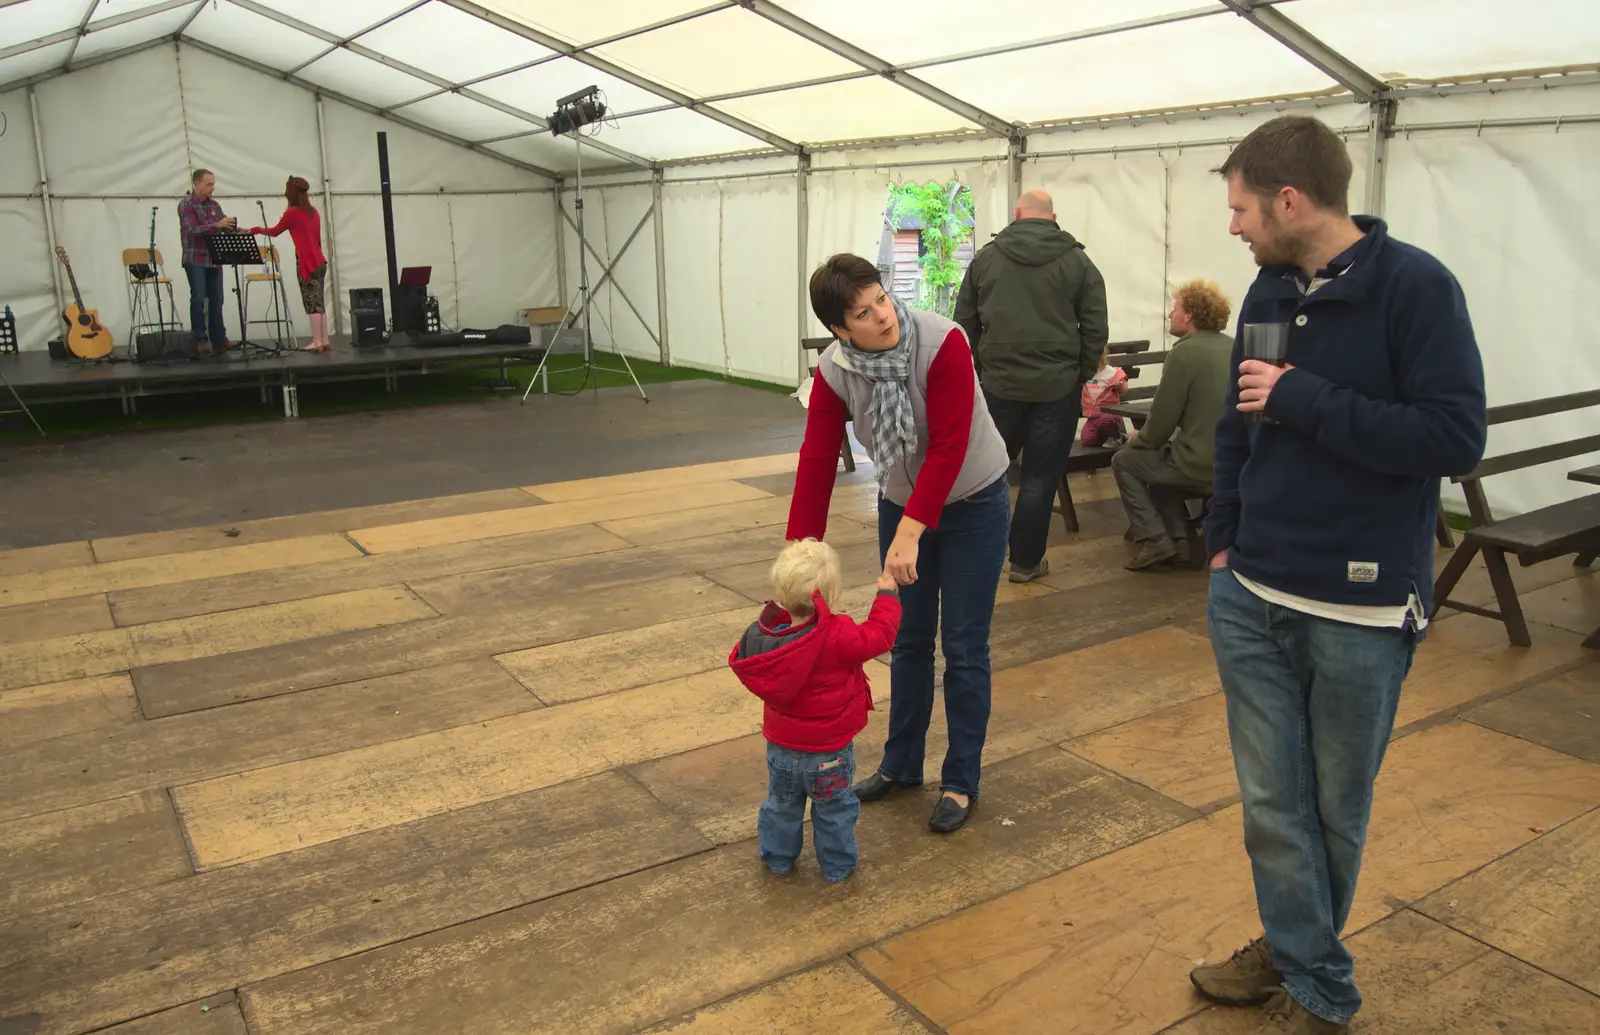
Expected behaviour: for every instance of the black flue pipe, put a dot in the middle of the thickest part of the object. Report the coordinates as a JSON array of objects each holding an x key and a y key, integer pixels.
[{"x": 388, "y": 231}]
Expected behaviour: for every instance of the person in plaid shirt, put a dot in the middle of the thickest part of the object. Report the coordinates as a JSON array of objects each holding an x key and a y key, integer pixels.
[{"x": 199, "y": 216}]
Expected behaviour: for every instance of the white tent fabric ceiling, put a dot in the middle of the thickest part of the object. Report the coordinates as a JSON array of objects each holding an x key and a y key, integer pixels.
[{"x": 751, "y": 75}]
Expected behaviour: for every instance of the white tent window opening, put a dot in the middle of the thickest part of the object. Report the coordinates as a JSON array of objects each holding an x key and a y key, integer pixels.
[{"x": 762, "y": 136}]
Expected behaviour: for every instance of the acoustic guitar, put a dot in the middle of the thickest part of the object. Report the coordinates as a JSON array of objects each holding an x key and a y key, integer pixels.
[{"x": 86, "y": 337}]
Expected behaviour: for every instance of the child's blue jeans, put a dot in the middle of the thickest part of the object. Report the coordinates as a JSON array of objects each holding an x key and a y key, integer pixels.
[{"x": 825, "y": 779}]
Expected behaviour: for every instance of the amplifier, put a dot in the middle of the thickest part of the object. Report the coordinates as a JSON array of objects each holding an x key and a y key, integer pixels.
[
  {"x": 157, "y": 346},
  {"x": 367, "y": 328},
  {"x": 366, "y": 300}
]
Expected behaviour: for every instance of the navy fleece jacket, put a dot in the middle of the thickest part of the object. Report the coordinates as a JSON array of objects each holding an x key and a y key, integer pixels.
[{"x": 1337, "y": 500}]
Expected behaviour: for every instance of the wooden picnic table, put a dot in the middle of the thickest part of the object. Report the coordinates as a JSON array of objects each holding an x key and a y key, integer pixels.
[
  {"x": 1588, "y": 475},
  {"x": 1137, "y": 409}
]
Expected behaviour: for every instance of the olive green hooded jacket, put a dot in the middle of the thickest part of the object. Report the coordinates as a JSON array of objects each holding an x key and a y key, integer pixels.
[{"x": 1034, "y": 309}]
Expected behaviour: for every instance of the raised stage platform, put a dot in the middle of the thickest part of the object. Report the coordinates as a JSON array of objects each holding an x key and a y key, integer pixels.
[{"x": 41, "y": 380}]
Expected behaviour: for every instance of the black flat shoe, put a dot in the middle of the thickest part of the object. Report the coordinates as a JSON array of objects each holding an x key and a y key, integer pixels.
[
  {"x": 878, "y": 786},
  {"x": 949, "y": 816}
]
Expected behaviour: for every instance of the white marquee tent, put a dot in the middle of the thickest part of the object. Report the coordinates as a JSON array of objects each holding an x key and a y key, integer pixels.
[{"x": 752, "y": 138}]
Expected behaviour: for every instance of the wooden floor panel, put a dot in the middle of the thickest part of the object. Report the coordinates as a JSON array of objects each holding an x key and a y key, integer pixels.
[
  {"x": 265, "y": 530},
  {"x": 251, "y": 589},
  {"x": 671, "y": 478},
  {"x": 476, "y": 763},
  {"x": 576, "y": 669},
  {"x": 146, "y": 949},
  {"x": 33, "y": 559},
  {"x": 343, "y": 658},
  {"x": 216, "y": 1015},
  {"x": 1562, "y": 712},
  {"x": 654, "y": 945},
  {"x": 284, "y": 808},
  {"x": 225, "y": 634},
  {"x": 47, "y": 710},
  {"x": 59, "y": 583},
  {"x": 1419, "y": 978},
  {"x": 1068, "y": 953},
  {"x": 93, "y": 850},
  {"x": 834, "y": 998},
  {"x": 47, "y": 619},
  {"x": 92, "y": 766},
  {"x": 440, "y": 531},
  {"x": 1538, "y": 904}
]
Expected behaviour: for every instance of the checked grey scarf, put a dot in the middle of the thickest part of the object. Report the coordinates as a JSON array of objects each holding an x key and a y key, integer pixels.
[{"x": 894, "y": 426}]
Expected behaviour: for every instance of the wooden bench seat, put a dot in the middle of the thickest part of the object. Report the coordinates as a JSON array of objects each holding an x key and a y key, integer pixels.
[{"x": 1564, "y": 529}]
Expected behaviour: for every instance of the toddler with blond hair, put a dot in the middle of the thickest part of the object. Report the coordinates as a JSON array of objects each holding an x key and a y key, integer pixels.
[{"x": 807, "y": 665}]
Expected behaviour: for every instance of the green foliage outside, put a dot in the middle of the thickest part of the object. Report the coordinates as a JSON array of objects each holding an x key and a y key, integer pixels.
[{"x": 945, "y": 211}]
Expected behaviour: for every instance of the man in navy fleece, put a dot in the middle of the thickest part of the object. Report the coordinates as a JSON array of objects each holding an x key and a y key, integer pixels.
[{"x": 1326, "y": 487}]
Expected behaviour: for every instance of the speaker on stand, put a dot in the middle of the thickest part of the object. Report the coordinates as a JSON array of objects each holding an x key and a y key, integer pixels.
[{"x": 368, "y": 328}]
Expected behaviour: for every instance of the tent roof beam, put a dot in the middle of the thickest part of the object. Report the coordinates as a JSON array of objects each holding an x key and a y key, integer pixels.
[
  {"x": 850, "y": 52},
  {"x": 444, "y": 85},
  {"x": 1366, "y": 86},
  {"x": 372, "y": 109},
  {"x": 595, "y": 61},
  {"x": 84, "y": 28}
]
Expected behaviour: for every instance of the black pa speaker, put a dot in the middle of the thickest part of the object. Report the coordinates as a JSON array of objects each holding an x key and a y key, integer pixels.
[
  {"x": 368, "y": 329},
  {"x": 410, "y": 304},
  {"x": 366, "y": 300},
  {"x": 159, "y": 346}
]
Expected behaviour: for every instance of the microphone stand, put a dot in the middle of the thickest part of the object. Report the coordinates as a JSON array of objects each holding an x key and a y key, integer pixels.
[
  {"x": 155, "y": 277},
  {"x": 282, "y": 326}
]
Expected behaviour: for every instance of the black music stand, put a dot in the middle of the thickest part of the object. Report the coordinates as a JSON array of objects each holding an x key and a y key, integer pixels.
[{"x": 231, "y": 248}]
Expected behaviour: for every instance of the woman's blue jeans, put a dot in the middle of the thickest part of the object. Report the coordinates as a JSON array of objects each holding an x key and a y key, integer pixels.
[{"x": 958, "y": 571}]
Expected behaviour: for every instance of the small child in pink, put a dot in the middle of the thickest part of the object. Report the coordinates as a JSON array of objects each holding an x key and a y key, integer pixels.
[{"x": 1104, "y": 389}]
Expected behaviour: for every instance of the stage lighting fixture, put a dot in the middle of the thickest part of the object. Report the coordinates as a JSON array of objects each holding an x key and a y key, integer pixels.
[{"x": 576, "y": 110}]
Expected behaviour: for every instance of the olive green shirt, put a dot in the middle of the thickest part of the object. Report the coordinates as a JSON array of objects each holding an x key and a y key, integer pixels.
[{"x": 1188, "y": 402}]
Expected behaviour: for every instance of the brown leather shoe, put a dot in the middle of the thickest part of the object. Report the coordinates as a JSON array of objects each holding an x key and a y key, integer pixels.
[
  {"x": 1248, "y": 978},
  {"x": 1285, "y": 1016},
  {"x": 1151, "y": 554}
]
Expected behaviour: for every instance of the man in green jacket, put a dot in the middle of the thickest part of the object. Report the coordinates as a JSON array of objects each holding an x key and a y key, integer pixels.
[
  {"x": 1173, "y": 451},
  {"x": 1034, "y": 309}
]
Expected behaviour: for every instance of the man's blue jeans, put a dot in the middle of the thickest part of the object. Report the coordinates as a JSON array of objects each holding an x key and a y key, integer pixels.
[
  {"x": 958, "y": 567},
  {"x": 1043, "y": 433},
  {"x": 205, "y": 303},
  {"x": 1311, "y": 705},
  {"x": 826, "y": 780}
]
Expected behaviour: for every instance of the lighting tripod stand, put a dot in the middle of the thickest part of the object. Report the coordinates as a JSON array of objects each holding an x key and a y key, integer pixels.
[{"x": 572, "y": 113}]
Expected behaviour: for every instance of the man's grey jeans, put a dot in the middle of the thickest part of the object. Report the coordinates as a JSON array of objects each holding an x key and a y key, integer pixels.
[{"x": 1151, "y": 485}]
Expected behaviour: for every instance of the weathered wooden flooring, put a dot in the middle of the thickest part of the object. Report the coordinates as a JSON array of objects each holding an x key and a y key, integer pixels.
[{"x": 475, "y": 764}]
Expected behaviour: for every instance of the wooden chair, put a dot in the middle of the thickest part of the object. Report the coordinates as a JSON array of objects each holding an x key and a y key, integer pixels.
[
  {"x": 269, "y": 255},
  {"x": 816, "y": 346},
  {"x": 142, "y": 310},
  {"x": 1565, "y": 529}
]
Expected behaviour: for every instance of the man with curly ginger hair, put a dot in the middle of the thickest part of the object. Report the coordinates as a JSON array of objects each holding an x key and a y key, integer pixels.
[{"x": 1173, "y": 451}]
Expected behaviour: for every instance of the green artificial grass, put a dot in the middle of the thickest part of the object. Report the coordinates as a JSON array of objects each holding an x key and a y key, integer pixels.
[{"x": 451, "y": 382}]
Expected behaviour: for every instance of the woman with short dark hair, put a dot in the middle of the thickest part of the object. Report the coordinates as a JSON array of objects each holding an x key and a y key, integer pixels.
[
  {"x": 905, "y": 379},
  {"x": 300, "y": 218}
]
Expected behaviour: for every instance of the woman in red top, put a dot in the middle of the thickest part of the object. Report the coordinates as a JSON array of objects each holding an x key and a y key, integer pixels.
[
  {"x": 305, "y": 227},
  {"x": 906, "y": 381}
]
